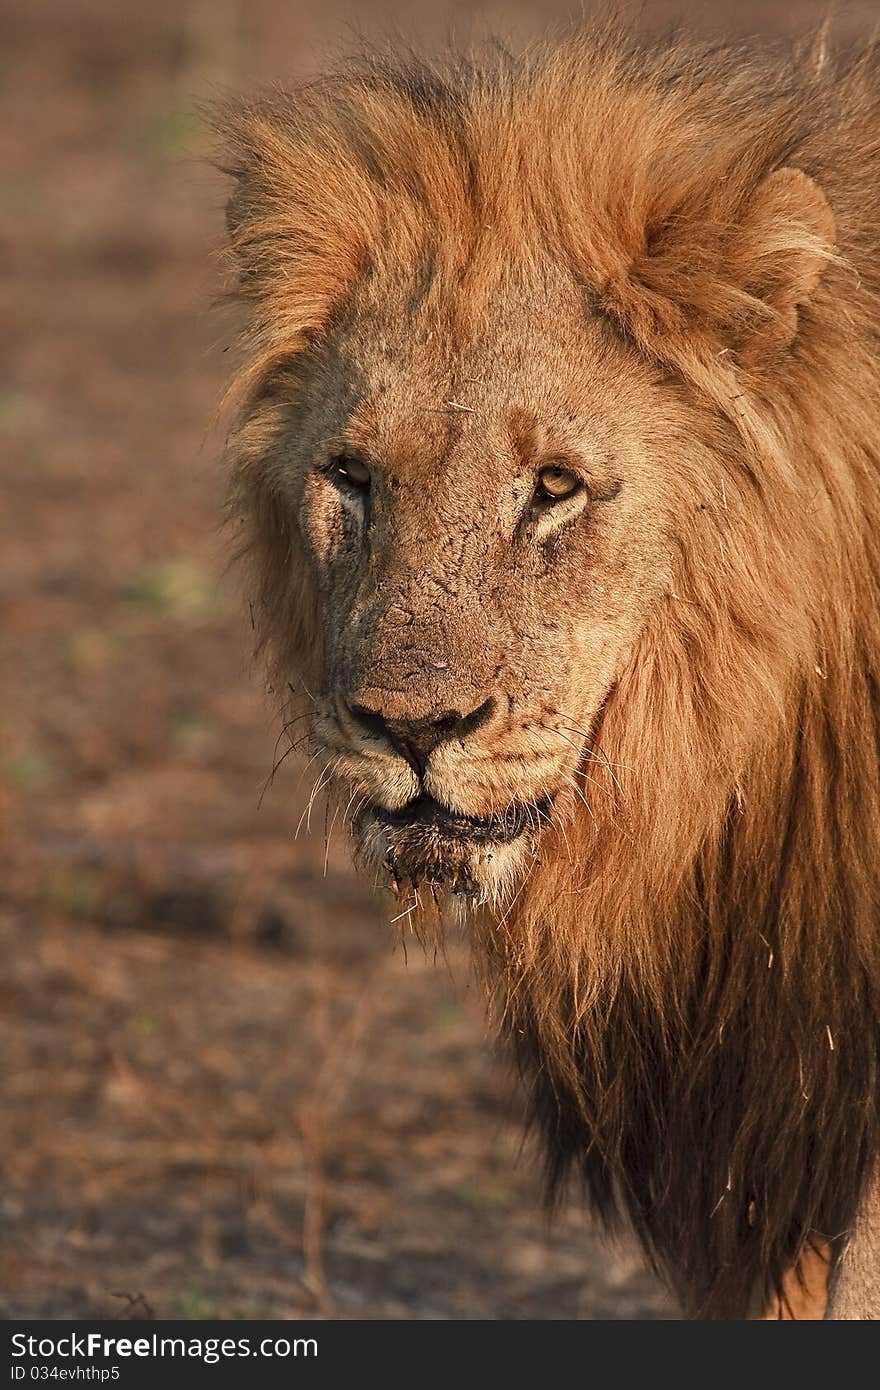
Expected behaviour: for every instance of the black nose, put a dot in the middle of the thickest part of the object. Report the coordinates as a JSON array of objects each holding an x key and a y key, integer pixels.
[{"x": 416, "y": 739}]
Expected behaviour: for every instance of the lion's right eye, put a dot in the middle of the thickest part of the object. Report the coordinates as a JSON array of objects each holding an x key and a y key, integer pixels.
[
  {"x": 555, "y": 484},
  {"x": 350, "y": 469}
]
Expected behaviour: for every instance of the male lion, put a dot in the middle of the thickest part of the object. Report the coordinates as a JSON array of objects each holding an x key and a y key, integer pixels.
[{"x": 559, "y": 473}]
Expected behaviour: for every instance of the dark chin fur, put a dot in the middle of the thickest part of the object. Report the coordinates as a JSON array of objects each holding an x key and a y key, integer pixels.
[{"x": 424, "y": 842}]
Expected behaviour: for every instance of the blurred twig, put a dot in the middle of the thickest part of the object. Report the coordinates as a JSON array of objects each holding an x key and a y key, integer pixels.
[{"x": 340, "y": 1060}]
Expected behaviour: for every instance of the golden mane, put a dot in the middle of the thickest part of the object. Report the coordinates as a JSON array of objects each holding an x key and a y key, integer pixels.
[{"x": 711, "y": 965}]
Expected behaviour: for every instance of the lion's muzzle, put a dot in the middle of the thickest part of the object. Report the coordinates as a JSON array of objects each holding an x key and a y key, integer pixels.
[{"x": 413, "y": 821}]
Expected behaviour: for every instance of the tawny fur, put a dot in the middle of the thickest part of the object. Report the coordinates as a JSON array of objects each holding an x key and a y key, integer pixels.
[{"x": 692, "y": 978}]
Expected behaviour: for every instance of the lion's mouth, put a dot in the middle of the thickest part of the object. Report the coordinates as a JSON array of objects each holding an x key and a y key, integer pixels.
[
  {"x": 426, "y": 842},
  {"x": 424, "y": 813}
]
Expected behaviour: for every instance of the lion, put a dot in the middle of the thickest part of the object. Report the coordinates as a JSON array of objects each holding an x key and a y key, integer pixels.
[{"x": 558, "y": 475}]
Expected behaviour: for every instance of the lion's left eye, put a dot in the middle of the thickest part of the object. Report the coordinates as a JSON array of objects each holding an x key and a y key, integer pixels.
[
  {"x": 352, "y": 470},
  {"x": 556, "y": 484}
]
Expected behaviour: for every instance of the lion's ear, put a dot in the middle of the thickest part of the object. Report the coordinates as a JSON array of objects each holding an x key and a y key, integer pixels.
[
  {"x": 705, "y": 258},
  {"x": 785, "y": 242}
]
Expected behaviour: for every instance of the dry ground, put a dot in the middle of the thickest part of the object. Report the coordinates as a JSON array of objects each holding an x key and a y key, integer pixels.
[{"x": 223, "y": 1093}]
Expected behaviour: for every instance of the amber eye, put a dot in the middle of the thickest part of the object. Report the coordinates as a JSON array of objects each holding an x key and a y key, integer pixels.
[
  {"x": 351, "y": 470},
  {"x": 555, "y": 484}
]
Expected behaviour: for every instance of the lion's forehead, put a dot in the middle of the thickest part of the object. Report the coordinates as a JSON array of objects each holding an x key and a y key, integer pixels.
[{"x": 491, "y": 404}]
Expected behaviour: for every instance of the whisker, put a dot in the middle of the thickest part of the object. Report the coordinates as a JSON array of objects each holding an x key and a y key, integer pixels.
[
  {"x": 281, "y": 734},
  {"x": 306, "y": 815},
  {"x": 579, "y": 772},
  {"x": 591, "y": 741},
  {"x": 350, "y": 800},
  {"x": 567, "y": 843},
  {"x": 270, "y": 780},
  {"x": 319, "y": 787},
  {"x": 305, "y": 688},
  {"x": 501, "y": 922},
  {"x": 315, "y": 755},
  {"x": 573, "y": 724},
  {"x": 577, "y": 791},
  {"x": 327, "y": 835}
]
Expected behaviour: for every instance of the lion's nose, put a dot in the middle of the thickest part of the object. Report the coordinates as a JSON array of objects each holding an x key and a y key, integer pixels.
[{"x": 416, "y": 739}]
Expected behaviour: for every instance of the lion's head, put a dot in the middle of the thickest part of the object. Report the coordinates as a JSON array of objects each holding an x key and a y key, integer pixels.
[{"x": 474, "y": 453}]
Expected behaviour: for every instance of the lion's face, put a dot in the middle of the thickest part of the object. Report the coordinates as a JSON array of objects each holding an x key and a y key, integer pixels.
[{"x": 488, "y": 518}]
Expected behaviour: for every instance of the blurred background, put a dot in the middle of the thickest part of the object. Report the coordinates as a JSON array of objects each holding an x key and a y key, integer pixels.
[{"x": 223, "y": 1092}]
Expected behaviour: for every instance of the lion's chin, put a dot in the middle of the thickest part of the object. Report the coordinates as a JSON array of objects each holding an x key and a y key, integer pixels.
[{"x": 426, "y": 843}]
